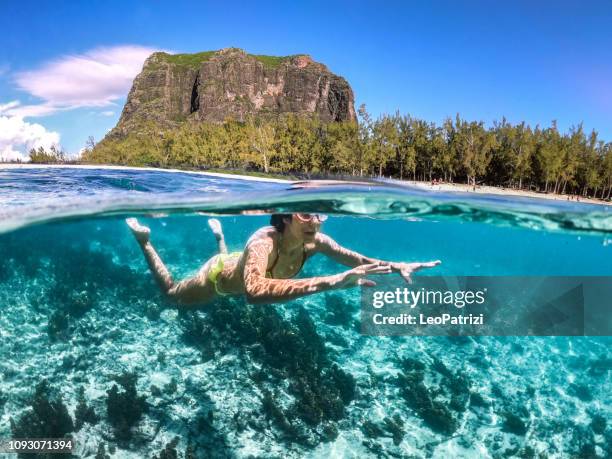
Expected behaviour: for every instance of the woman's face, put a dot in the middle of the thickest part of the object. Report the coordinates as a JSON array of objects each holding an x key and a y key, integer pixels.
[{"x": 305, "y": 226}]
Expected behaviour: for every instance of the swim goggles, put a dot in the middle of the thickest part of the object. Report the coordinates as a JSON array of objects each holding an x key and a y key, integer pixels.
[{"x": 307, "y": 218}]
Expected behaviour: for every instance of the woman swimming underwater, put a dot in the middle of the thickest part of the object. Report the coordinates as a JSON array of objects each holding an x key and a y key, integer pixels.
[{"x": 273, "y": 255}]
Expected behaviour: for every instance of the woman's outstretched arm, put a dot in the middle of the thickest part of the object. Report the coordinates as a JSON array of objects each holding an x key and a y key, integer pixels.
[{"x": 327, "y": 246}]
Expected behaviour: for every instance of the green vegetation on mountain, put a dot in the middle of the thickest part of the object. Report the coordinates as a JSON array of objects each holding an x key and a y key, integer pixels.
[
  {"x": 194, "y": 60},
  {"x": 272, "y": 62},
  {"x": 186, "y": 60}
]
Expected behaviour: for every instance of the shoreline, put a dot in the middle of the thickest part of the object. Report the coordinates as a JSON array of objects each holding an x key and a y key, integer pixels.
[
  {"x": 497, "y": 191},
  {"x": 423, "y": 186}
]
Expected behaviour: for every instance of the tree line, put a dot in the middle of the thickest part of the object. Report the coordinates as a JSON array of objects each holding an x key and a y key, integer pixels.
[
  {"x": 53, "y": 155},
  {"x": 399, "y": 146}
]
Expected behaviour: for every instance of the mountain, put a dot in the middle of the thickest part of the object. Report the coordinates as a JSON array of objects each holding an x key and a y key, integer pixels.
[{"x": 213, "y": 86}]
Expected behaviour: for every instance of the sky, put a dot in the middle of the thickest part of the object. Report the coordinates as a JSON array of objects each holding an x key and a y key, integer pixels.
[{"x": 66, "y": 67}]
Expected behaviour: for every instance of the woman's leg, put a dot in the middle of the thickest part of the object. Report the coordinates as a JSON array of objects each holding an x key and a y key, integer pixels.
[
  {"x": 194, "y": 290},
  {"x": 215, "y": 226},
  {"x": 156, "y": 265}
]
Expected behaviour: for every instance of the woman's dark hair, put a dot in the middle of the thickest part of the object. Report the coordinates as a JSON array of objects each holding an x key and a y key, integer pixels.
[{"x": 278, "y": 221}]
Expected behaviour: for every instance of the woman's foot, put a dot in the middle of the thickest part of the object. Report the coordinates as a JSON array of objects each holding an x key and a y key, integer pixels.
[
  {"x": 141, "y": 233},
  {"x": 215, "y": 227}
]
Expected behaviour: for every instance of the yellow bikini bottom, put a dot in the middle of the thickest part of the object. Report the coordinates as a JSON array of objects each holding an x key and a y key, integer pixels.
[{"x": 218, "y": 268}]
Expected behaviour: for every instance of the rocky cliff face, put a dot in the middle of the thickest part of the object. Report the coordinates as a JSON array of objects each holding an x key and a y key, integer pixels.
[{"x": 216, "y": 85}]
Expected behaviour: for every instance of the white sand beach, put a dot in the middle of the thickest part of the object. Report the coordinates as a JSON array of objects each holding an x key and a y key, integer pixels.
[{"x": 483, "y": 189}]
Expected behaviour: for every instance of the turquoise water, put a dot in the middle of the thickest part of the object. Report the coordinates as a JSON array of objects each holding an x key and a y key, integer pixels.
[{"x": 79, "y": 309}]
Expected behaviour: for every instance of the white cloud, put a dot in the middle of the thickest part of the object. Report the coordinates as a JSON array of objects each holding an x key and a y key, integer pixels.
[
  {"x": 8, "y": 105},
  {"x": 23, "y": 111},
  {"x": 107, "y": 113},
  {"x": 96, "y": 78},
  {"x": 17, "y": 137}
]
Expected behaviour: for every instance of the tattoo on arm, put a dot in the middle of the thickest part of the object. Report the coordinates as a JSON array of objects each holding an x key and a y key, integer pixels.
[{"x": 261, "y": 289}]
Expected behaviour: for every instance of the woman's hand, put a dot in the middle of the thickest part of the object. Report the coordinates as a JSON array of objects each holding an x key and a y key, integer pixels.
[
  {"x": 357, "y": 276},
  {"x": 406, "y": 269}
]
